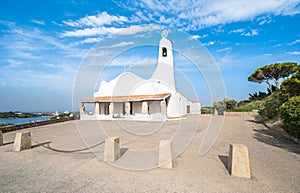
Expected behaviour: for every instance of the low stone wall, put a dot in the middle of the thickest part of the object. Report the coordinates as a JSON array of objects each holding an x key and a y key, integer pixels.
[
  {"x": 10, "y": 128},
  {"x": 252, "y": 113}
]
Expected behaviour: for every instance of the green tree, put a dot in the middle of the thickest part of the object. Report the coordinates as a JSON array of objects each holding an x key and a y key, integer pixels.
[
  {"x": 225, "y": 104},
  {"x": 290, "y": 115},
  {"x": 273, "y": 72},
  {"x": 290, "y": 87}
]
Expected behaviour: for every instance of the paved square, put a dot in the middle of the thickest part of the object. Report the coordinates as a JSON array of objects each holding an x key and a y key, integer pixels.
[{"x": 60, "y": 163}]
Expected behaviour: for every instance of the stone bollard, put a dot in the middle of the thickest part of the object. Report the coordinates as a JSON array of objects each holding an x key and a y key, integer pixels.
[
  {"x": 22, "y": 141},
  {"x": 1, "y": 138},
  {"x": 165, "y": 154},
  {"x": 112, "y": 149},
  {"x": 238, "y": 161}
]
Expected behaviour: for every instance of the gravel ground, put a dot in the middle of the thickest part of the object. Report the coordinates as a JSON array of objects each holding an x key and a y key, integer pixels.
[{"x": 59, "y": 162}]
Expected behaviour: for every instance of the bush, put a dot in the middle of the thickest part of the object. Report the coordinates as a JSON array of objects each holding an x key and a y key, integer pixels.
[
  {"x": 269, "y": 108},
  {"x": 290, "y": 88},
  {"x": 290, "y": 115},
  {"x": 225, "y": 104},
  {"x": 207, "y": 110}
]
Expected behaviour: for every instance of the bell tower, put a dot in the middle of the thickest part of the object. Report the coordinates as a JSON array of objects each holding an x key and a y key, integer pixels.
[{"x": 164, "y": 70}]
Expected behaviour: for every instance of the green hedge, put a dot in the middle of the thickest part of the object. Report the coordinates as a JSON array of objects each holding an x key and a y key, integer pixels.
[
  {"x": 207, "y": 110},
  {"x": 290, "y": 115},
  {"x": 270, "y": 107}
]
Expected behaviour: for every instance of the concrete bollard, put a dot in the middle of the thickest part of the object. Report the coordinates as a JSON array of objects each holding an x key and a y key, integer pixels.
[
  {"x": 165, "y": 154},
  {"x": 1, "y": 138},
  {"x": 238, "y": 161},
  {"x": 22, "y": 141},
  {"x": 112, "y": 149}
]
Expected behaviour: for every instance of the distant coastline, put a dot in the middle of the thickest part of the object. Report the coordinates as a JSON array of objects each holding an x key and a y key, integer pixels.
[
  {"x": 17, "y": 117},
  {"x": 16, "y": 121},
  {"x": 17, "y": 114}
]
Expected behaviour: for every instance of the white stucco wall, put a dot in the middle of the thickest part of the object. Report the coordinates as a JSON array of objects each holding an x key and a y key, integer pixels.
[
  {"x": 122, "y": 85},
  {"x": 196, "y": 108}
]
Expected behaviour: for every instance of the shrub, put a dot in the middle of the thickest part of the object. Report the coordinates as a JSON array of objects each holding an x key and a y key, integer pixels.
[
  {"x": 269, "y": 108},
  {"x": 290, "y": 115},
  {"x": 207, "y": 110},
  {"x": 290, "y": 88},
  {"x": 225, "y": 104}
]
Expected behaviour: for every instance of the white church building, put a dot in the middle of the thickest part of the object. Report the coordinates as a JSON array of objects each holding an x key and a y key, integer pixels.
[{"x": 130, "y": 97}]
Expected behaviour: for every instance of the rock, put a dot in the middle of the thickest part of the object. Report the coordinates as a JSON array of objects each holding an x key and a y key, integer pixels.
[
  {"x": 112, "y": 149},
  {"x": 165, "y": 154},
  {"x": 238, "y": 162},
  {"x": 22, "y": 141}
]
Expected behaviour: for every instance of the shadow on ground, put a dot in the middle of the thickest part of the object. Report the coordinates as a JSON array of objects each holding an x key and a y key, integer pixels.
[
  {"x": 271, "y": 136},
  {"x": 224, "y": 160},
  {"x": 41, "y": 144},
  {"x": 8, "y": 143},
  {"x": 123, "y": 150},
  {"x": 77, "y": 151}
]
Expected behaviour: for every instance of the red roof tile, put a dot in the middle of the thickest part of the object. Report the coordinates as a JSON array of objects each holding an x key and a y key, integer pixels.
[{"x": 127, "y": 98}]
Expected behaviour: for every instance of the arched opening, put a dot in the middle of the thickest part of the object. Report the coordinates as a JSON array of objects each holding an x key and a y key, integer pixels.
[{"x": 164, "y": 52}]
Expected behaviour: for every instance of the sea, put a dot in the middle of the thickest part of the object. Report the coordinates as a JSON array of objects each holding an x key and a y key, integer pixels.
[{"x": 16, "y": 121}]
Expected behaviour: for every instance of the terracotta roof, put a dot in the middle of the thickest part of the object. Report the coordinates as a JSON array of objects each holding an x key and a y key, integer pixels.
[
  {"x": 195, "y": 101},
  {"x": 127, "y": 98}
]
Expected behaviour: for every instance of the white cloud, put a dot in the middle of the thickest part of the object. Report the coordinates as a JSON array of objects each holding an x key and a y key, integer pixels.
[
  {"x": 121, "y": 44},
  {"x": 253, "y": 32},
  {"x": 105, "y": 31},
  {"x": 40, "y": 22},
  {"x": 294, "y": 42},
  {"x": 188, "y": 15},
  {"x": 12, "y": 63},
  {"x": 195, "y": 37},
  {"x": 237, "y": 31},
  {"x": 97, "y": 20},
  {"x": 244, "y": 32},
  {"x": 209, "y": 43},
  {"x": 224, "y": 50},
  {"x": 88, "y": 41},
  {"x": 295, "y": 53},
  {"x": 193, "y": 15},
  {"x": 31, "y": 58}
]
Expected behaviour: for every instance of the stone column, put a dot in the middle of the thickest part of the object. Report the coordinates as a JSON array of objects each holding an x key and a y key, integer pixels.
[
  {"x": 238, "y": 161},
  {"x": 97, "y": 108},
  {"x": 22, "y": 141},
  {"x": 163, "y": 107},
  {"x": 145, "y": 108},
  {"x": 112, "y": 149},
  {"x": 111, "y": 108},
  {"x": 1, "y": 138},
  {"x": 127, "y": 108},
  {"x": 165, "y": 154}
]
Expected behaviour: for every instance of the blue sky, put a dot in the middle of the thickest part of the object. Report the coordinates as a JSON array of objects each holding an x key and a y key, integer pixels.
[{"x": 43, "y": 43}]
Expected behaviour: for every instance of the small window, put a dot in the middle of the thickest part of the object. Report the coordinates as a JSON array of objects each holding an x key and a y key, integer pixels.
[{"x": 164, "y": 52}]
